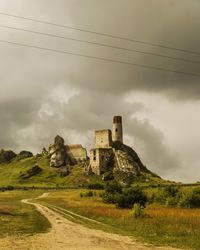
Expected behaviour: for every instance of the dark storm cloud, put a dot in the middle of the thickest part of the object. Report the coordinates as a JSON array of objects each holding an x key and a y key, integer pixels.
[
  {"x": 152, "y": 145},
  {"x": 177, "y": 27}
]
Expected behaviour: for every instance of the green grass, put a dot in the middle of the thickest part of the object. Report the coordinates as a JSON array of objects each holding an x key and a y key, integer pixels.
[
  {"x": 17, "y": 218},
  {"x": 174, "y": 227},
  {"x": 10, "y": 174}
]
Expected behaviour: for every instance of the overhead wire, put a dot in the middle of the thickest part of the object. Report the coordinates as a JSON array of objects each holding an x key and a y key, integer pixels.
[
  {"x": 102, "y": 34},
  {"x": 100, "y": 58},
  {"x": 101, "y": 44}
]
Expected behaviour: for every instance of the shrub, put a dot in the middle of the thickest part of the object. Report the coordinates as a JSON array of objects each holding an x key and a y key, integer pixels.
[
  {"x": 171, "y": 191},
  {"x": 87, "y": 194},
  {"x": 6, "y": 156},
  {"x": 137, "y": 211},
  {"x": 9, "y": 187},
  {"x": 25, "y": 154},
  {"x": 113, "y": 188},
  {"x": 191, "y": 200},
  {"x": 168, "y": 196},
  {"x": 172, "y": 201},
  {"x": 130, "y": 197},
  {"x": 110, "y": 197},
  {"x": 97, "y": 186},
  {"x": 112, "y": 193},
  {"x": 126, "y": 178}
]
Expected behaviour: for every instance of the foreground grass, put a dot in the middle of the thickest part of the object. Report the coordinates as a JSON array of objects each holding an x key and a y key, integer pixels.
[
  {"x": 17, "y": 218},
  {"x": 161, "y": 225}
]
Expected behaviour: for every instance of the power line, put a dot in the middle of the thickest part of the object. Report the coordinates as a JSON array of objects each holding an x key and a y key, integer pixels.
[
  {"x": 102, "y": 34},
  {"x": 101, "y": 44},
  {"x": 101, "y": 58}
]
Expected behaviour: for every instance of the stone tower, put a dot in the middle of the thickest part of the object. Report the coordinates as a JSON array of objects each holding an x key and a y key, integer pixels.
[{"x": 117, "y": 131}]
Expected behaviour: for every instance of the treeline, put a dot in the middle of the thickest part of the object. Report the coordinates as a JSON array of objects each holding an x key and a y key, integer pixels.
[
  {"x": 175, "y": 196},
  {"x": 127, "y": 197}
]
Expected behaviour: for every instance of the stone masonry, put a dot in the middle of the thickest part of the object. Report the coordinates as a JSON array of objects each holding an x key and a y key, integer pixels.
[{"x": 101, "y": 156}]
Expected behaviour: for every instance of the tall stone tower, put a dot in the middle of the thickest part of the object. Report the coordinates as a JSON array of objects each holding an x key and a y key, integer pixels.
[{"x": 117, "y": 131}]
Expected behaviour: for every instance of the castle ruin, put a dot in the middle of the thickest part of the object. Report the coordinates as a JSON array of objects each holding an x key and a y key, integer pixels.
[
  {"x": 63, "y": 155},
  {"x": 102, "y": 155},
  {"x": 110, "y": 158},
  {"x": 77, "y": 152}
]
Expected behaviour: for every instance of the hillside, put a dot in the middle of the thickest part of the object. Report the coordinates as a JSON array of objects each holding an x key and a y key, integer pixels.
[
  {"x": 16, "y": 174},
  {"x": 128, "y": 168},
  {"x": 35, "y": 171}
]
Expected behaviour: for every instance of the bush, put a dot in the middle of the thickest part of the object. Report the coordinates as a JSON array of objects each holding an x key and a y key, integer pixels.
[
  {"x": 111, "y": 198},
  {"x": 130, "y": 197},
  {"x": 126, "y": 198},
  {"x": 113, "y": 188},
  {"x": 171, "y": 201},
  {"x": 10, "y": 188},
  {"x": 126, "y": 178},
  {"x": 96, "y": 186},
  {"x": 7, "y": 188},
  {"x": 6, "y": 156},
  {"x": 137, "y": 211},
  {"x": 87, "y": 194},
  {"x": 168, "y": 196},
  {"x": 171, "y": 191},
  {"x": 23, "y": 155},
  {"x": 112, "y": 193},
  {"x": 191, "y": 200}
]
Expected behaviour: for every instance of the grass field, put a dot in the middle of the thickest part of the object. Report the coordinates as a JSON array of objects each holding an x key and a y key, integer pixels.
[
  {"x": 160, "y": 226},
  {"x": 17, "y": 218},
  {"x": 10, "y": 174}
]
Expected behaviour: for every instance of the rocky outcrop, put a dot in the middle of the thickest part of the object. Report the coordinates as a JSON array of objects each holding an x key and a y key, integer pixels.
[
  {"x": 123, "y": 164},
  {"x": 44, "y": 152},
  {"x": 65, "y": 155},
  {"x": 126, "y": 159},
  {"x": 35, "y": 170},
  {"x": 57, "y": 151},
  {"x": 128, "y": 166},
  {"x": 63, "y": 171}
]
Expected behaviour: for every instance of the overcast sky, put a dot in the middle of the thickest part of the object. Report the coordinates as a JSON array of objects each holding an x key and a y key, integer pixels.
[{"x": 43, "y": 93}]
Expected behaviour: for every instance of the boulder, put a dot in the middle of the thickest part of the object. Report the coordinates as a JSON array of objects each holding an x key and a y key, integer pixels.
[
  {"x": 35, "y": 170},
  {"x": 44, "y": 152}
]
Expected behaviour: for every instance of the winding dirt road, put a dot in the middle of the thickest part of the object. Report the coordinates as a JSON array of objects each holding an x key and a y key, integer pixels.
[{"x": 67, "y": 235}]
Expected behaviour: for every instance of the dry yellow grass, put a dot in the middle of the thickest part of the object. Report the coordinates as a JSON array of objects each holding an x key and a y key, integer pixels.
[
  {"x": 161, "y": 225},
  {"x": 162, "y": 211},
  {"x": 6, "y": 209}
]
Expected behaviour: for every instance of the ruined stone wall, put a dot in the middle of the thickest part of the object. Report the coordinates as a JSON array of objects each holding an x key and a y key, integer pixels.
[
  {"x": 100, "y": 159},
  {"x": 94, "y": 161},
  {"x": 76, "y": 152},
  {"x": 103, "y": 138}
]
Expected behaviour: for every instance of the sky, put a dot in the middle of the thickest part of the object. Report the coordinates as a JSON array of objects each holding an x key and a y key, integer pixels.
[{"x": 44, "y": 93}]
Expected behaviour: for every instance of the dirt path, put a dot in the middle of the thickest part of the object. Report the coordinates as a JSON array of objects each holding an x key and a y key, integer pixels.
[{"x": 67, "y": 235}]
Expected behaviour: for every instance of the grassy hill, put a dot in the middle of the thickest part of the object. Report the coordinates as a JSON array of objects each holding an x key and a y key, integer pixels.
[{"x": 13, "y": 173}]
